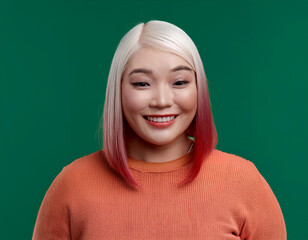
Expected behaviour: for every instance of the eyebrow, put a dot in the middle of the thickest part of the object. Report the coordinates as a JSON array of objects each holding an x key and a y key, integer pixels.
[{"x": 148, "y": 71}]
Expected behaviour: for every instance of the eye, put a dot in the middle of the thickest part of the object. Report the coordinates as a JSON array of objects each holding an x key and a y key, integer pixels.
[
  {"x": 180, "y": 83},
  {"x": 140, "y": 84}
]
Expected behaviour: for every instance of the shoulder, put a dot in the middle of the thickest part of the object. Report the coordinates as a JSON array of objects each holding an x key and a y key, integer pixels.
[
  {"x": 237, "y": 176},
  {"x": 231, "y": 167},
  {"x": 87, "y": 162},
  {"x": 92, "y": 167},
  {"x": 229, "y": 161}
]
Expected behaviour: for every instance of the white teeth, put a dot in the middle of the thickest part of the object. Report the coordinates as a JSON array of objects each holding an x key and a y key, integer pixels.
[{"x": 160, "y": 119}]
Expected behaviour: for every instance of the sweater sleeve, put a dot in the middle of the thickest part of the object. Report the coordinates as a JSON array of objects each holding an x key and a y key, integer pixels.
[
  {"x": 264, "y": 218},
  {"x": 53, "y": 217}
]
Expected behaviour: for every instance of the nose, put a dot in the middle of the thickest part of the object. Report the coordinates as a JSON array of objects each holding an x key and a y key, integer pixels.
[{"x": 162, "y": 97}]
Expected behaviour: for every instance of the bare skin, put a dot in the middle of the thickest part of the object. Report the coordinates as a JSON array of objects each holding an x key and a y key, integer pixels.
[{"x": 159, "y": 102}]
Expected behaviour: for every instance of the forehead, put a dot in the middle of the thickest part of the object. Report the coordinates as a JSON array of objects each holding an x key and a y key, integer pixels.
[{"x": 155, "y": 59}]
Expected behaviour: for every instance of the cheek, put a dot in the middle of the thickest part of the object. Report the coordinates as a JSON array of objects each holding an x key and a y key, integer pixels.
[
  {"x": 133, "y": 102},
  {"x": 187, "y": 100}
]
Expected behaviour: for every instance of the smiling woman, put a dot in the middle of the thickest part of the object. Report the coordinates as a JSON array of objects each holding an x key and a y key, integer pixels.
[{"x": 159, "y": 175}]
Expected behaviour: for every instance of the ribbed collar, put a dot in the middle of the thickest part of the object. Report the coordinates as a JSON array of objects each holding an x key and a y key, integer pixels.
[{"x": 170, "y": 166}]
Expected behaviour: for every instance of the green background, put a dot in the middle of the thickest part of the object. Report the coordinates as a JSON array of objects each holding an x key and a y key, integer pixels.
[{"x": 54, "y": 62}]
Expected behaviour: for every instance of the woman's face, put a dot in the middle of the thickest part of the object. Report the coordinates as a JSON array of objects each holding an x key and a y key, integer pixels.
[{"x": 159, "y": 95}]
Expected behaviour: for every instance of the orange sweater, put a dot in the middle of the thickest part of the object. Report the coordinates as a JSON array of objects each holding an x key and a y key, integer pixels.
[{"x": 229, "y": 199}]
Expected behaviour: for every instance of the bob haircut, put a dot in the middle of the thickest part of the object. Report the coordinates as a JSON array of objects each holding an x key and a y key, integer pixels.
[{"x": 167, "y": 37}]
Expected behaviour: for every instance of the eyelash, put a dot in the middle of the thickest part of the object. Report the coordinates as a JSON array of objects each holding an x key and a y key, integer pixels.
[
  {"x": 183, "y": 82},
  {"x": 145, "y": 84},
  {"x": 140, "y": 84}
]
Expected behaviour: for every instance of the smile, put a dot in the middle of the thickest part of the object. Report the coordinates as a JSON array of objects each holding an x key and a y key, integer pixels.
[{"x": 160, "y": 119}]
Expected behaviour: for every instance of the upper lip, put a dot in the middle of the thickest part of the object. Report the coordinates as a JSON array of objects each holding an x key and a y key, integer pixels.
[{"x": 157, "y": 115}]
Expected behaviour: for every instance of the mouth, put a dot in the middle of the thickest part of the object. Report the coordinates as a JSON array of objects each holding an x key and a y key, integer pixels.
[{"x": 160, "y": 119}]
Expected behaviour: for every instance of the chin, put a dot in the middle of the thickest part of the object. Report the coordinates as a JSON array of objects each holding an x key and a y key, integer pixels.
[
  {"x": 160, "y": 140},
  {"x": 159, "y": 143}
]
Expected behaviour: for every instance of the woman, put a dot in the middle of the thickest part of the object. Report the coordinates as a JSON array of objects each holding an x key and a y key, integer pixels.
[{"x": 159, "y": 175}]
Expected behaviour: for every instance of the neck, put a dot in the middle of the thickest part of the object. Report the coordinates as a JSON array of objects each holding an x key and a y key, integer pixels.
[{"x": 138, "y": 148}]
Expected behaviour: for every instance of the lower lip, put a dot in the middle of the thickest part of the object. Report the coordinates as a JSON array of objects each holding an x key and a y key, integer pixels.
[{"x": 161, "y": 124}]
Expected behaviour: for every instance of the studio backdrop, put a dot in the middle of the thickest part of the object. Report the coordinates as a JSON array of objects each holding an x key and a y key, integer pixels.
[{"x": 54, "y": 63}]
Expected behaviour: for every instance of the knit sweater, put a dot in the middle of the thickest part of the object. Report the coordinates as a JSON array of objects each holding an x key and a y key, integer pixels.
[{"x": 228, "y": 200}]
